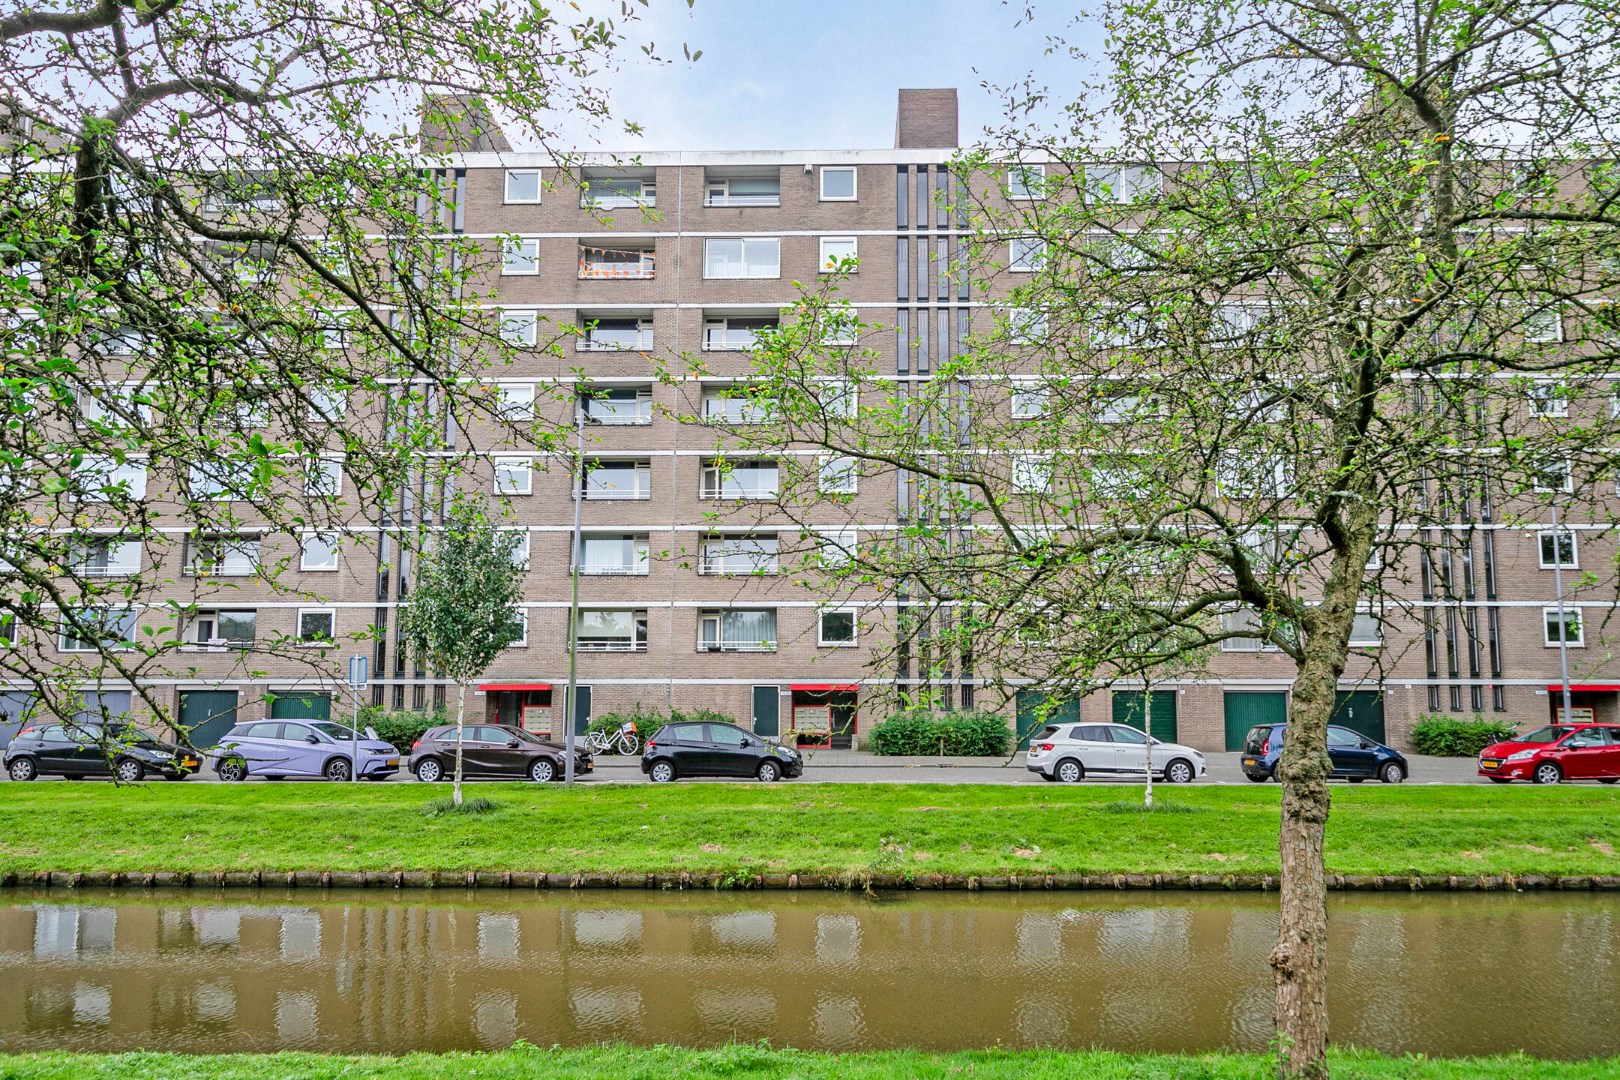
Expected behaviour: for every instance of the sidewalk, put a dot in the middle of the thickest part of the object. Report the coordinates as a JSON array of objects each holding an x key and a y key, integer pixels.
[{"x": 857, "y": 759}]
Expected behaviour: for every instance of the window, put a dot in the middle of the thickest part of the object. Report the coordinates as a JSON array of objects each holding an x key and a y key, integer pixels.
[
  {"x": 611, "y": 631},
  {"x": 520, "y": 255},
  {"x": 1026, "y": 326},
  {"x": 836, "y": 475},
  {"x": 835, "y": 547},
  {"x": 1366, "y": 630},
  {"x": 1026, "y": 181},
  {"x": 124, "y": 342},
  {"x": 840, "y": 325},
  {"x": 113, "y": 626},
  {"x": 522, "y": 639},
  {"x": 522, "y": 185},
  {"x": 1122, "y": 183},
  {"x": 514, "y": 401},
  {"x": 839, "y": 398},
  {"x": 739, "y": 480},
  {"x": 519, "y": 539},
  {"x": 107, "y": 557},
  {"x": 837, "y": 183},
  {"x": 737, "y": 631},
  {"x": 1240, "y": 623},
  {"x": 1548, "y": 400},
  {"x": 334, "y": 337},
  {"x": 115, "y": 404},
  {"x": 1026, "y": 253},
  {"x": 618, "y": 480},
  {"x": 519, "y": 326},
  {"x": 237, "y": 629},
  {"x": 327, "y": 403},
  {"x": 514, "y": 476},
  {"x": 1557, "y": 549},
  {"x": 608, "y": 335},
  {"x": 1549, "y": 476},
  {"x": 1028, "y": 400},
  {"x": 743, "y": 191},
  {"x": 623, "y": 261},
  {"x": 1543, "y": 327},
  {"x": 623, "y": 405},
  {"x": 738, "y": 555},
  {"x": 618, "y": 192},
  {"x": 316, "y": 626},
  {"x": 736, "y": 405},
  {"x": 317, "y": 552},
  {"x": 222, "y": 556},
  {"x": 323, "y": 478},
  {"x": 98, "y": 478},
  {"x": 734, "y": 333},
  {"x": 1121, "y": 328},
  {"x": 212, "y": 480},
  {"x": 836, "y": 628},
  {"x": 613, "y": 554},
  {"x": 1239, "y": 476},
  {"x": 1121, "y": 477},
  {"x": 1031, "y": 473},
  {"x": 836, "y": 251},
  {"x": 742, "y": 257},
  {"x": 1573, "y": 627},
  {"x": 1234, "y": 325}
]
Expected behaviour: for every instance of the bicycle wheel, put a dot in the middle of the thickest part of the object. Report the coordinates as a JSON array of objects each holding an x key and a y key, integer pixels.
[
  {"x": 596, "y": 742},
  {"x": 628, "y": 743}
]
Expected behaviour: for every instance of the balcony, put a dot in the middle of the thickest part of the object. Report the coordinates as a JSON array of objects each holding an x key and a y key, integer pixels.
[
  {"x": 616, "y": 264},
  {"x": 614, "y": 335}
]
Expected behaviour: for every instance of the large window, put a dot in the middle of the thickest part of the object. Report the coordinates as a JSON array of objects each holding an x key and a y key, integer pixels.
[
  {"x": 520, "y": 255},
  {"x": 1028, "y": 401},
  {"x": 743, "y": 191},
  {"x": 1031, "y": 472},
  {"x": 222, "y": 556},
  {"x": 113, "y": 626},
  {"x": 514, "y": 476},
  {"x": 233, "y": 629},
  {"x": 523, "y": 185},
  {"x": 611, "y": 630},
  {"x": 317, "y": 626},
  {"x": 738, "y": 555},
  {"x": 838, "y": 183},
  {"x": 514, "y": 401},
  {"x": 108, "y": 557},
  {"x": 836, "y": 628},
  {"x": 317, "y": 552},
  {"x": 1026, "y": 253},
  {"x": 99, "y": 478},
  {"x": 1558, "y": 549},
  {"x": 1548, "y": 400},
  {"x": 618, "y": 480},
  {"x": 609, "y": 192},
  {"x": 323, "y": 478},
  {"x": 735, "y": 405},
  {"x": 735, "y": 332},
  {"x": 623, "y": 261},
  {"x": 612, "y": 334},
  {"x": 740, "y": 480},
  {"x": 836, "y": 475},
  {"x": 519, "y": 326},
  {"x": 742, "y": 257},
  {"x": 1122, "y": 183},
  {"x": 1026, "y": 181},
  {"x": 613, "y": 554},
  {"x": 737, "y": 631},
  {"x": 1250, "y": 633},
  {"x": 837, "y": 250},
  {"x": 619, "y": 405},
  {"x": 1574, "y": 627}
]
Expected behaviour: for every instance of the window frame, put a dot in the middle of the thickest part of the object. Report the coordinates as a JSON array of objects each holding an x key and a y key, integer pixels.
[
  {"x": 510, "y": 317},
  {"x": 500, "y": 462},
  {"x": 506, "y": 187},
  {"x": 1548, "y": 400},
  {"x": 822, "y": 641},
  {"x": 1544, "y": 535},
  {"x": 329, "y": 469},
  {"x": 854, "y": 242},
  {"x": 742, "y": 262},
  {"x": 62, "y": 631},
  {"x": 827, "y": 465},
  {"x": 519, "y": 245},
  {"x": 318, "y": 568},
  {"x": 1034, "y": 254},
  {"x": 854, "y": 183},
  {"x": 1023, "y": 171},
  {"x": 330, "y": 641},
  {"x": 1549, "y": 619}
]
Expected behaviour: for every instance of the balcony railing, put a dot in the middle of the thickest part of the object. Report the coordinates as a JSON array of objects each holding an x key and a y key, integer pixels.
[
  {"x": 616, "y": 263},
  {"x": 614, "y": 342},
  {"x": 613, "y": 569},
  {"x": 728, "y": 645},
  {"x": 722, "y": 564},
  {"x": 743, "y": 200},
  {"x": 736, "y": 491},
  {"x": 597, "y": 413},
  {"x": 610, "y": 645},
  {"x": 729, "y": 340},
  {"x": 598, "y": 493}
]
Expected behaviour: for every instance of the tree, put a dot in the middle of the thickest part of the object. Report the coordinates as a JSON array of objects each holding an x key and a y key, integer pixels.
[
  {"x": 235, "y": 313},
  {"x": 463, "y": 608},
  {"x": 1294, "y": 299}
]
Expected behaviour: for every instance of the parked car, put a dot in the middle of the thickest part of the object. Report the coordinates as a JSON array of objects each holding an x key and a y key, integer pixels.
[
  {"x": 679, "y": 750},
  {"x": 276, "y": 749},
  {"x": 79, "y": 750},
  {"x": 1556, "y": 753},
  {"x": 1072, "y": 752},
  {"x": 1355, "y": 757},
  {"x": 492, "y": 750}
]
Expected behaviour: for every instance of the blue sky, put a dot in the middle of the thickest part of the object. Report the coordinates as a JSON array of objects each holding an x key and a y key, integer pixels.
[{"x": 820, "y": 74}]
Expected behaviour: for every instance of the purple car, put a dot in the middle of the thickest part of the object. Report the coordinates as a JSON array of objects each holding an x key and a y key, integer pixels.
[{"x": 278, "y": 748}]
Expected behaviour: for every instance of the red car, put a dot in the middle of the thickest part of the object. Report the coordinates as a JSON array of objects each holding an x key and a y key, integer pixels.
[{"x": 1558, "y": 752}]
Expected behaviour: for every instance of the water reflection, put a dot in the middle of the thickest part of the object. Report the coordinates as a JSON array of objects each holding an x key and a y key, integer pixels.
[{"x": 1135, "y": 972}]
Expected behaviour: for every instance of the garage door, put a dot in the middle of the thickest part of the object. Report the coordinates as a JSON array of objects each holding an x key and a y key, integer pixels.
[
  {"x": 207, "y": 714},
  {"x": 1029, "y": 703},
  {"x": 14, "y": 706},
  {"x": 1246, "y": 708},
  {"x": 301, "y": 707},
  {"x": 1361, "y": 711},
  {"x": 1128, "y": 710}
]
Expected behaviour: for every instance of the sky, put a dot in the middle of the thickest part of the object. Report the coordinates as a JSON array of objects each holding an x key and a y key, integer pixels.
[{"x": 819, "y": 74}]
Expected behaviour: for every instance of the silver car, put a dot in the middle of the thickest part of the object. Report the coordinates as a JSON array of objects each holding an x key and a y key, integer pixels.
[
  {"x": 278, "y": 748},
  {"x": 1072, "y": 752}
]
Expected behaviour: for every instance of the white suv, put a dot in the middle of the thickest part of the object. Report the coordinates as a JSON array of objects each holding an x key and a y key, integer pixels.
[{"x": 1072, "y": 752}]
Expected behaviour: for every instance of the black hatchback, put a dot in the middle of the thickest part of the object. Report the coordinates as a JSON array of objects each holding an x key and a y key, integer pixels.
[
  {"x": 679, "y": 750},
  {"x": 77, "y": 750}
]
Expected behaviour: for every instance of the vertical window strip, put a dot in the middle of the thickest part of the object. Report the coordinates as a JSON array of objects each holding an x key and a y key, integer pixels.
[
  {"x": 902, "y": 183},
  {"x": 903, "y": 265}
]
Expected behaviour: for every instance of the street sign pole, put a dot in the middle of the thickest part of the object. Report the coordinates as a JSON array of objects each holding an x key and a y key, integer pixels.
[{"x": 357, "y": 682}]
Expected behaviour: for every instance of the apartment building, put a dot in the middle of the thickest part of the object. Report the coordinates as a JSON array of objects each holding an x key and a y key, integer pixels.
[{"x": 652, "y": 276}]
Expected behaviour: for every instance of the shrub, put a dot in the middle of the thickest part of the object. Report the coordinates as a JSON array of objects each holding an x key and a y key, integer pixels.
[
  {"x": 401, "y": 727},
  {"x": 1448, "y": 736},
  {"x": 955, "y": 734}
]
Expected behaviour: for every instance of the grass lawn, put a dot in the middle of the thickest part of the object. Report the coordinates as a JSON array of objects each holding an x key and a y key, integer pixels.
[
  {"x": 625, "y": 1063},
  {"x": 781, "y": 828}
]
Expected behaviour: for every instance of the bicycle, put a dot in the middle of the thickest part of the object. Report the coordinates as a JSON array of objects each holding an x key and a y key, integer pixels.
[{"x": 622, "y": 741}]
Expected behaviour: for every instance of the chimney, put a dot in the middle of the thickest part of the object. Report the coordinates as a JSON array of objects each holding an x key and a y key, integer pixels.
[
  {"x": 459, "y": 124},
  {"x": 926, "y": 119}
]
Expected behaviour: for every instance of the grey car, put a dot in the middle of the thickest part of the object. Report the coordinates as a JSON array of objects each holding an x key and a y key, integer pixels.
[{"x": 276, "y": 749}]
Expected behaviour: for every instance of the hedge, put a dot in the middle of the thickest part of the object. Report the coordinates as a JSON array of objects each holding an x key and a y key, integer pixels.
[
  {"x": 401, "y": 727},
  {"x": 952, "y": 734},
  {"x": 1449, "y": 736},
  {"x": 648, "y": 720}
]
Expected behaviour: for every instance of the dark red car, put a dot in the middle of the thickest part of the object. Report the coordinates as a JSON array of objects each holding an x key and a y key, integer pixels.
[{"x": 1556, "y": 753}]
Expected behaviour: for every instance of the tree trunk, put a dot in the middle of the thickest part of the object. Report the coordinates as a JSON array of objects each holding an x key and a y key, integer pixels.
[
  {"x": 1147, "y": 731},
  {"x": 461, "y": 726}
]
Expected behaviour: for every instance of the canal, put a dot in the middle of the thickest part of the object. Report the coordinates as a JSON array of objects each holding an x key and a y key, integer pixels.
[{"x": 354, "y": 972}]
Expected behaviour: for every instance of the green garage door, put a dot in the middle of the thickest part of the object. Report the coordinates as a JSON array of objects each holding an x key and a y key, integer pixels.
[
  {"x": 1029, "y": 703},
  {"x": 1246, "y": 708},
  {"x": 301, "y": 707},
  {"x": 1361, "y": 711},
  {"x": 207, "y": 714},
  {"x": 1128, "y": 710}
]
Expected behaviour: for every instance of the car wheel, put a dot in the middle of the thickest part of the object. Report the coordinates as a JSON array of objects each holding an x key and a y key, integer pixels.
[
  {"x": 1070, "y": 771},
  {"x": 662, "y": 772},
  {"x": 1048, "y": 777},
  {"x": 23, "y": 769},
  {"x": 232, "y": 770},
  {"x": 1391, "y": 773},
  {"x": 1500, "y": 779},
  {"x": 129, "y": 771},
  {"x": 1548, "y": 773},
  {"x": 543, "y": 770},
  {"x": 1179, "y": 771},
  {"x": 337, "y": 769},
  {"x": 1253, "y": 779},
  {"x": 1609, "y": 779},
  {"x": 769, "y": 772},
  {"x": 1355, "y": 779},
  {"x": 429, "y": 771}
]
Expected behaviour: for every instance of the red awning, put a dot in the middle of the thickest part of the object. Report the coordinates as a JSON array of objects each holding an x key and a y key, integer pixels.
[
  {"x": 1585, "y": 687},
  {"x": 516, "y": 686},
  {"x": 823, "y": 687}
]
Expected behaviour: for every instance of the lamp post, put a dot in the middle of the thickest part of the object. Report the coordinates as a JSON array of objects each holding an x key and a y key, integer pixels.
[
  {"x": 573, "y": 605},
  {"x": 1563, "y": 625}
]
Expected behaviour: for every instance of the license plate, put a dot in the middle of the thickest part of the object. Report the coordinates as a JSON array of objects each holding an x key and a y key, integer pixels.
[
  {"x": 393, "y": 761},
  {"x": 1491, "y": 764},
  {"x": 189, "y": 763},
  {"x": 1248, "y": 761}
]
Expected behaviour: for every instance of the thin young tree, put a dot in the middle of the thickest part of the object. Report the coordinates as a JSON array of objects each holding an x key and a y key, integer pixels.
[
  {"x": 463, "y": 607},
  {"x": 1296, "y": 302}
]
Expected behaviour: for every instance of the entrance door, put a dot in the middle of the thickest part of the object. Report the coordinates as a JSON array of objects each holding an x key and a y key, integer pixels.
[
  {"x": 582, "y": 709},
  {"x": 207, "y": 714},
  {"x": 1247, "y": 708},
  {"x": 1128, "y": 710},
  {"x": 1028, "y": 703},
  {"x": 301, "y": 707},
  {"x": 1362, "y": 711},
  {"x": 767, "y": 711}
]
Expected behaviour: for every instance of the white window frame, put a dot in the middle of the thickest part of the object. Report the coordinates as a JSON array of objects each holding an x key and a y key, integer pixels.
[
  {"x": 330, "y": 473},
  {"x": 506, "y": 189},
  {"x": 640, "y": 555},
  {"x": 641, "y": 469},
  {"x": 832, "y": 468},
  {"x": 522, "y": 640},
  {"x": 1549, "y": 619},
  {"x": 713, "y": 479},
  {"x": 828, "y": 260},
  {"x": 331, "y": 545},
  {"x": 1270, "y": 479},
  {"x": 764, "y": 564},
  {"x": 839, "y": 398},
  {"x": 520, "y": 326},
  {"x": 637, "y": 642},
  {"x": 1548, "y": 400},
  {"x": 841, "y": 542},
  {"x": 723, "y": 325},
  {"x": 1538, "y": 317},
  {"x": 720, "y": 643},
  {"x": 1025, "y": 254},
  {"x": 331, "y": 614},
  {"x": 854, "y": 628},
  {"x": 743, "y": 243},
  {"x": 515, "y": 401},
  {"x": 522, "y": 549},
  {"x": 1127, "y": 183},
  {"x": 1545, "y": 535},
  {"x": 326, "y": 404},
  {"x": 1026, "y": 326},
  {"x": 62, "y": 630},
  {"x": 105, "y": 472},
  {"x": 717, "y": 192},
  {"x": 124, "y": 557},
  {"x": 1563, "y": 465},
  {"x": 1021, "y": 188},
  {"x": 512, "y": 467},
  {"x": 646, "y": 196},
  {"x": 520, "y": 247},
  {"x": 854, "y": 183},
  {"x": 584, "y": 341},
  {"x": 1029, "y": 400},
  {"x": 721, "y": 406},
  {"x": 1031, "y": 472},
  {"x": 1245, "y": 619},
  {"x": 222, "y": 548},
  {"x": 1362, "y": 641}
]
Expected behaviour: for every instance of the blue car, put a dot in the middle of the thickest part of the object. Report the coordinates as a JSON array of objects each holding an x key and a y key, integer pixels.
[
  {"x": 1355, "y": 757},
  {"x": 279, "y": 748}
]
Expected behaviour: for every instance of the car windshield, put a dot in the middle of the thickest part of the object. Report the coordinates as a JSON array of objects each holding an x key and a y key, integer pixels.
[
  {"x": 333, "y": 731},
  {"x": 131, "y": 736},
  {"x": 526, "y": 736},
  {"x": 1544, "y": 735}
]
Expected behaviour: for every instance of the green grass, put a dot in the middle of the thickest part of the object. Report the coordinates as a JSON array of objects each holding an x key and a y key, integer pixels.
[
  {"x": 736, "y": 830},
  {"x": 764, "y": 1063}
]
